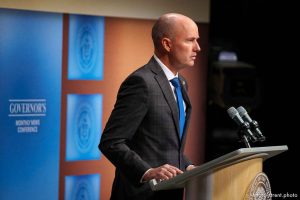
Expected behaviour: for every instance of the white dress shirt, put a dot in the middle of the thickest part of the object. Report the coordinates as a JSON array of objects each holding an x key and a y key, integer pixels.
[{"x": 169, "y": 76}]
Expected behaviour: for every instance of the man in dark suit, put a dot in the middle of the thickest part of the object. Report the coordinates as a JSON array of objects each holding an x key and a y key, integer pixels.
[{"x": 142, "y": 137}]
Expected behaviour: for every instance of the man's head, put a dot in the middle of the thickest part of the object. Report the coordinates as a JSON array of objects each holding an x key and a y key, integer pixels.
[{"x": 175, "y": 41}]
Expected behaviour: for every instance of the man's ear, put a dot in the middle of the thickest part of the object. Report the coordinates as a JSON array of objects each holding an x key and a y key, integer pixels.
[{"x": 167, "y": 44}]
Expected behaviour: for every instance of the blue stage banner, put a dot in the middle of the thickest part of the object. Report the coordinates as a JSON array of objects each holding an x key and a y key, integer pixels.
[
  {"x": 82, "y": 187},
  {"x": 84, "y": 122},
  {"x": 86, "y": 47},
  {"x": 30, "y": 104}
]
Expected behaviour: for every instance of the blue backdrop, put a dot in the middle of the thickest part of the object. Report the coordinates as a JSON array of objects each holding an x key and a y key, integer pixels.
[
  {"x": 86, "y": 47},
  {"x": 82, "y": 187},
  {"x": 84, "y": 117},
  {"x": 30, "y": 99}
]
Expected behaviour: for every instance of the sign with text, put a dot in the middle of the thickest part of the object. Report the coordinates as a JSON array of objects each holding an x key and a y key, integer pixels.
[{"x": 30, "y": 97}]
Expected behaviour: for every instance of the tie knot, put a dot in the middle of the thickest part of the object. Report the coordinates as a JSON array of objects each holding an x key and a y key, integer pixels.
[{"x": 175, "y": 82}]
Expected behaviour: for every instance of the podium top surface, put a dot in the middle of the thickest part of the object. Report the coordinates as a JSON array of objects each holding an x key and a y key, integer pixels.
[{"x": 231, "y": 158}]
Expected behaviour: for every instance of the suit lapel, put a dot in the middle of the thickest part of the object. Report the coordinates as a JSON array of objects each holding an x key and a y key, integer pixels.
[
  {"x": 167, "y": 91},
  {"x": 185, "y": 95},
  {"x": 188, "y": 105},
  {"x": 169, "y": 96}
]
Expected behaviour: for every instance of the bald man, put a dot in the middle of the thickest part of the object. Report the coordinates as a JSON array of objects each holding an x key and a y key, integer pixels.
[{"x": 145, "y": 135}]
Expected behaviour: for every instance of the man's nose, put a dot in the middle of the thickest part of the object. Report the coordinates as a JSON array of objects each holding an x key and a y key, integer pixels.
[{"x": 197, "y": 47}]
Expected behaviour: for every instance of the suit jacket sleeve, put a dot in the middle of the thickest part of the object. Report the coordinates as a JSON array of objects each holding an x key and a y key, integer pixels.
[{"x": 129, "y": 111}]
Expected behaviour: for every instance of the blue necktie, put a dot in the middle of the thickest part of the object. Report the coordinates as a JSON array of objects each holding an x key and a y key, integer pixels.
[{"x": 176, "y": 83}]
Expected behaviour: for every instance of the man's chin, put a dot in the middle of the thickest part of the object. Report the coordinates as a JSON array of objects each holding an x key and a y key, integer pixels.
[{"x": 191, "y": 64}]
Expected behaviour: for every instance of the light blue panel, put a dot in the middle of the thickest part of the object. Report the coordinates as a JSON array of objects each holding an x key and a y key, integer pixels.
[
  {"x": 82, "y": 187},
  {"x": 86, "y": 44},
  {"x": 84, "y": 118},
  {"x": 30, "y": 104}
]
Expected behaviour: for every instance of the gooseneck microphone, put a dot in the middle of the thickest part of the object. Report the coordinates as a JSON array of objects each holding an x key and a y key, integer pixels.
[
  {"x": 244, "y": 126},
  {"x": 253, "y": 124}
]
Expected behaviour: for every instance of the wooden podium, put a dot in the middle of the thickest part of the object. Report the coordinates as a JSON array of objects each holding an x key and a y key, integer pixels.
[{"x": 228, "y": 177}]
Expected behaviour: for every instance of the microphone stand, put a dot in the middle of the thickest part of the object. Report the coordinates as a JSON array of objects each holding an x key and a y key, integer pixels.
[
  {"x": 245, "y": 140},
  {"x": 244, "y": 134}
]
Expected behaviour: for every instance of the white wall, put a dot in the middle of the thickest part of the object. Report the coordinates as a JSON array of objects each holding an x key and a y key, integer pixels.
[{"x": 143, "y": 9}]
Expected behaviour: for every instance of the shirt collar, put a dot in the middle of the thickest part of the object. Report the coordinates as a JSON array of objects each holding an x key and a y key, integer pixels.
[{"x": 166, "y": 70}]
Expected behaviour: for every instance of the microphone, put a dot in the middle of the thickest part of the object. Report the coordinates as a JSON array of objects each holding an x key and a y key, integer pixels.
[
  {"x": 253, "y": 124},
  {"x": 245, "y": 127}
]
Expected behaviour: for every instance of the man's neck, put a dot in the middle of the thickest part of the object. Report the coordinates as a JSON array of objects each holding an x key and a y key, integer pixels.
[
  {"x": 164, "y": 59},
  {"x": 170, "y": 75}
]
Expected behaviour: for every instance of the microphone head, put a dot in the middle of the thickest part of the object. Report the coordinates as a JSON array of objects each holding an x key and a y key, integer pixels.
[
  {"x": 242, "y": 111},
  {"x": 232, "y": 112}
]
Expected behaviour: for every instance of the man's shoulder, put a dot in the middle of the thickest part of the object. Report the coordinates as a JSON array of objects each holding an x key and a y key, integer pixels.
[
  {"x": 142, "y": 71},
  {"x": 146, "y": 70}
]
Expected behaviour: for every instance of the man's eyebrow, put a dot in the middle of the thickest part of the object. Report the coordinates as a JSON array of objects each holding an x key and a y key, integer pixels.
[{"x": 193, "y": 38}]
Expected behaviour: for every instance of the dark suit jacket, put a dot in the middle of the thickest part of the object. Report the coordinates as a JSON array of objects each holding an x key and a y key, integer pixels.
[{"x": 143, "y": 132}]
